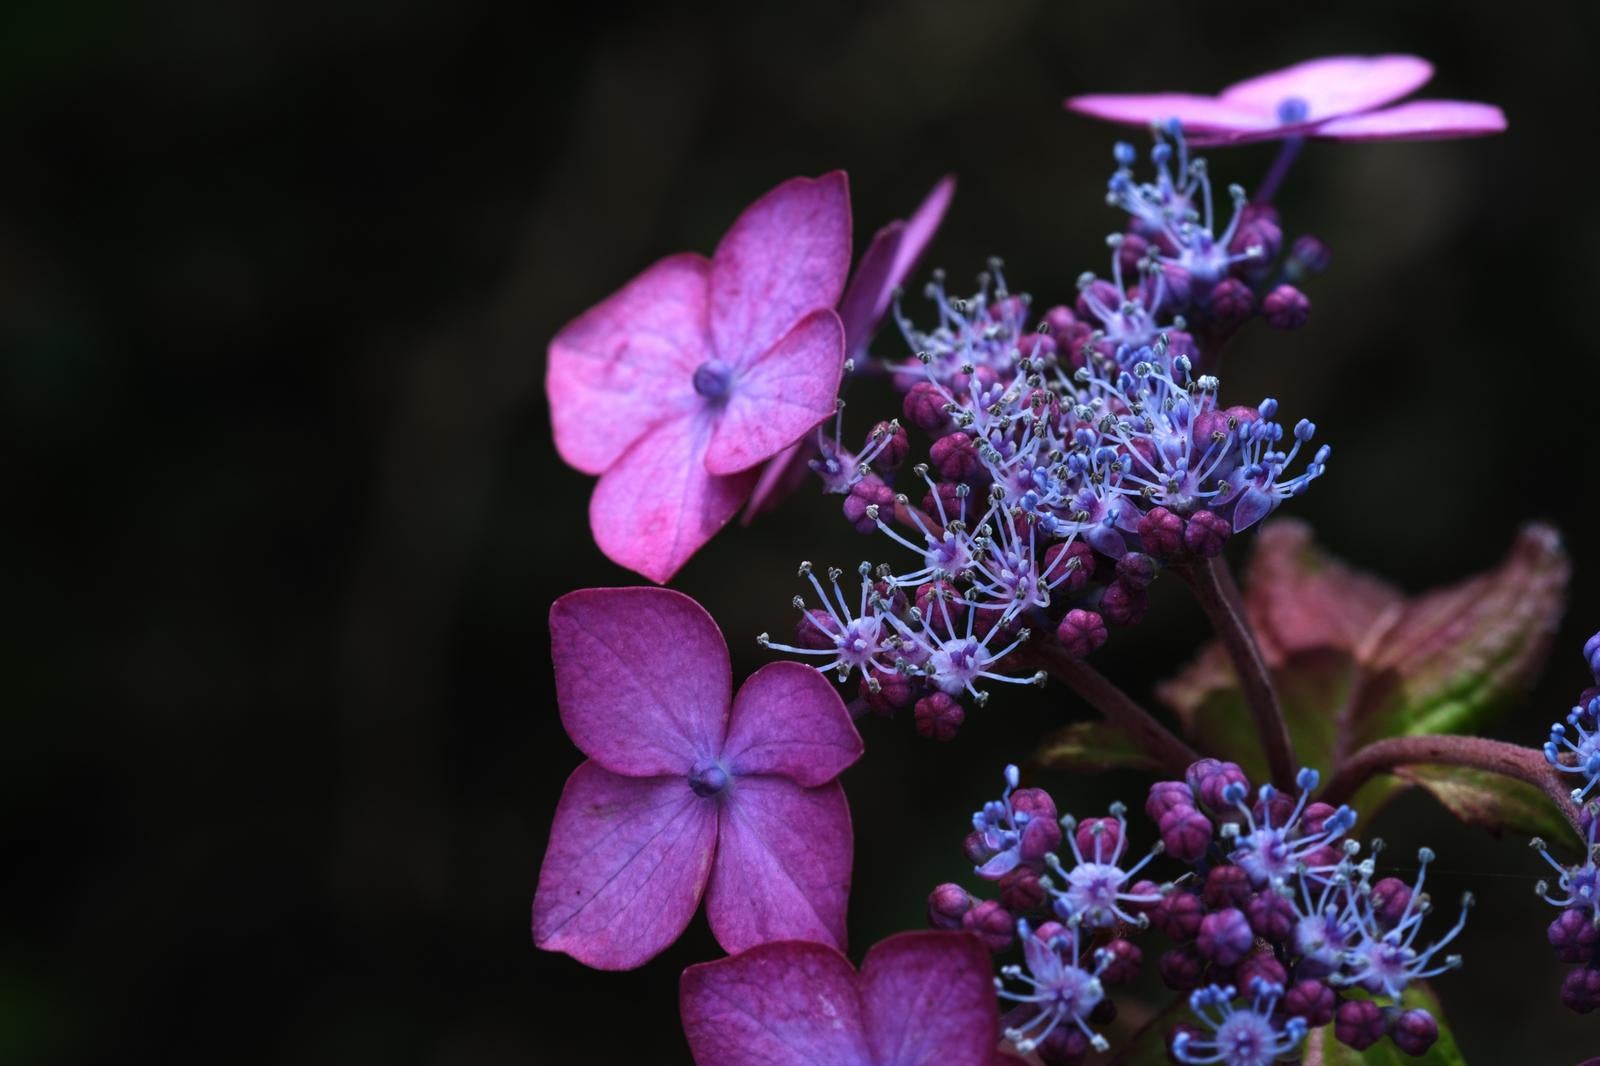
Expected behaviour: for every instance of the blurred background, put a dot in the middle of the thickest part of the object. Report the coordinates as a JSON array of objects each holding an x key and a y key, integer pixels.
[{"x": 279, "y": 748}]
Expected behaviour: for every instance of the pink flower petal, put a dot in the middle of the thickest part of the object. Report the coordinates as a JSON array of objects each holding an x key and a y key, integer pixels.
[
  {"x": 788, "y": 720},
  {"x": 783, "y": 864},
  {"x": 628, "y": 362},
  {"x": 1420, "y": 120},
  {"x": 1197, "y": 113},
  {"x": 928, "y": 1000},
  {"x": 785, "y": 1004},
  {"x": 780, "y": 395},
  {"x": 1331, "y": 86},
  {"x": 627, "y": 862},
  {"x": 786, "y": 256},
  {"x": 642, "y": 678},
  {"x": 657, "y": 505},
  {"x": 890, "y": 258}
]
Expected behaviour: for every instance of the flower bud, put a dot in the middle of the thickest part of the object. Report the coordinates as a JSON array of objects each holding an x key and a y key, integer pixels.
[
  {"x": 976, "y": 849},
  {"x": 946, "y": 499},
  {"x": 993, "y": 924},
  {"x": 1207, "y": 778},
  {"x": 1286, "y": 307},
  {"x": 955, "y": 458},
  {"x": 924, "y": 408},
  {"x": 1122, "y": 604},
  {"x": 1041, "y": 837},
  {"x": 1260, "y": 963},
  {"x": 1271, "y": 916},
  {"x": 1225, "y": 936},
  {"x": 1165, "y": 795},
  {"x": 1186, "y": 833},
  {"x": 939, "y": 716},
  {"x": 1136, "y": 570},
  {"x": 1312, "y": 1000},
  {"x": 1126, "y": 961},
  {"x": 1178, "y": 915},
  {"x": 887, "y": 691},
  {"x": 946, "y": 905},
  {"x": 893, "y": 445},
  {"x": 1307, "y": 256},
  {"x": 1390, "y": 898},
  {"x": 1022, "y": 891},
  {"x": 1081, "y": 633},
  {"x": 1573, "y": 934},
  {"x": 1161, "y": 533},
  {"x": 1181, "y": 968},
  {"x": 868, "y": 492},
  {"x": 1414, "y": 1032},
  {"x": 1098, "y": 838},
  {"x": 815, "y": 630},
  {"x": 1078, "y": 572},
  {"x": 1231, "y": 302},
  {"x": 1206, "y": 534},
  {"x": 1226, "y": 886},
  {"x": 1358, "y": 1023}
]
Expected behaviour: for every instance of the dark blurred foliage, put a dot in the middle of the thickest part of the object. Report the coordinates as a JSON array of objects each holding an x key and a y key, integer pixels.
[{"x": 280, "y": 748}]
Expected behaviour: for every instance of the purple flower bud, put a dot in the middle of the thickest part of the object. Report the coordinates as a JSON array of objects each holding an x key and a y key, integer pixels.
[
  {"x": 1208, "y": 777},
  {"x": 1037, "y": 346},
  {"x": 1226, "y": 886},
  {"x": 1122, "y": 604},
  {"x": 1257, "y": 229},
  {"x": 1286, "y": 307},
  {"x": 892, "y": 443},
  {"x": 887, "y": 691},
  {"x": 955, "y": 458},
  {"x": 1275, "y": 809},
  {"x": 1036, "y": 803},
  {"x": 1078, "y": 572},
  {"x": 1022, "y": 891},
  {"x": 946, "y": 904},
  {"x": 1098, "y": 291},
  {"x": 1390, "y": 898},
  {"x": 1231, "y": 302},
  {"x": 1315, "y": 816},
  {"x": 939, "y": 716},
  {"x": 1059, "y": 320},
  {"x": 1178, "y": 915},
  {"x": 1311, "y": 1000},
  {"x": 1308, "y": 256},
  {"x": 1129, "y": 253},
  {"x": 976, "y": 849},
  {"x": 1186, "y": 833},
  {"x": 1271, "y": 916},
  {"x": 1591, "y": 655},
  {"x": 1580, "y": 990},
  {"x": 1225, "y": 936},
  {"x": 1573, "y": 934},
  {"x": 1414, "y": 1032},
  {"x": 1206, "y": 534},
  {"x": 815, "y": 630},
  {"x": 1081, "y": 633},
  {"x": 1099, "y": 836},
  {"x": 1126, "y": 961},
  {"x": 1260, "y": 964},
  {"x": 924, "y": 408},
  {"x": 1040, "y": 838},
  {"x": 1064, "y": 1047},
  {"x": 946, "y": 495},
  {"x": 1165, "y": 795},
  {"x": 1358, "y": 1023},
  {"x": 993, "y": 924},
  {"x": 929, "y": 597},
  {"x": 1181, "y": 968},
  {"x": 1161, "y": 533},
  {"x": 1136, "y": 570}
]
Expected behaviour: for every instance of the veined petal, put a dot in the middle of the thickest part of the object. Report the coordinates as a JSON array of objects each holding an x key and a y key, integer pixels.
[
  {"x": 627, "y": 862},
  {"x": 788, "y": 720},
  {"x": 1419, "y": 120},
  {"x": 928, "y": 1000},
  {"x": 657, "y": 505},
  {"x": 627, "y": 363},
  {"x": 1331, "y": 86},
  {"x": 786, "y": 1004},
  {"x": 642, "y": 678},
  {"x": 785, "y": 256},
  {"x": 782, "y": 872},
  {"x": 781, "y": 395}
]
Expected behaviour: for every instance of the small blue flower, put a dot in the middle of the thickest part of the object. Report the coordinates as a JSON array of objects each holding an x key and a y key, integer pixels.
[
  {"x": 1240, "y": 1036},
  {"x": 1057, "y": 984}
]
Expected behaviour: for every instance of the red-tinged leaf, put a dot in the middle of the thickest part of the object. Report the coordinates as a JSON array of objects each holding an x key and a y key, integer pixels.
[
  {"x": 1090, "y": 747},
  {"x": 1489, "y": 801}
]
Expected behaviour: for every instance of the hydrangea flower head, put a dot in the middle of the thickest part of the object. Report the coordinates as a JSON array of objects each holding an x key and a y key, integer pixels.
[
  {"x": 1059, "y": 989},
  {"x": 677, "y": 386},
  {"x": 1337, "y": 98},
  {"x": 920, "y": 999},
  {"x": 689, "y": 790}
]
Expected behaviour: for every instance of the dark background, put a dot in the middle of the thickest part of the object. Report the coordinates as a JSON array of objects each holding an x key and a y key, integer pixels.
[{"x": 279, "y": 746}]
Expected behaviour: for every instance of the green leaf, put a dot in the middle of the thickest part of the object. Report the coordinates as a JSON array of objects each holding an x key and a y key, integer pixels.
[
  {"x": 1489, "y": 801},
  {"x": 1323, "y": 1049},
  {"x": 1090, "y": 747}
]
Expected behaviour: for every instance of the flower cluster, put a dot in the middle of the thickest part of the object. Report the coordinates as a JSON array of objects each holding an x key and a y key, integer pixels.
[
  {"x": 1071, "y": 457},
  {"x": 1276, "y": 901},
  {"x": 1574, "y": 934}
]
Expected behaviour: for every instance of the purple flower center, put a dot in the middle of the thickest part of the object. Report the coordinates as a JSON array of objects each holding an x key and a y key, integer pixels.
[
  {"x": 712, "y": 378},
  {"x": 708, "y": 779},
  {"x": 1293, "y": 109}
]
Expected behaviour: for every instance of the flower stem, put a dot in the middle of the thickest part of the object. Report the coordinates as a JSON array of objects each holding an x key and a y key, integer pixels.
[
  {"x": 1211, "y": 581},
  {"x": 1118, "y": 708},
  {"x": 1280, "y": 169},
  {"x": 1494, "y": 756}
]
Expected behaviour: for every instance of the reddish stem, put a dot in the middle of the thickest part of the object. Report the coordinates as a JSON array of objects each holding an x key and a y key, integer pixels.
[
  {"x": 1494, "y": 756},
  {"x": 1118, "y": 708}
]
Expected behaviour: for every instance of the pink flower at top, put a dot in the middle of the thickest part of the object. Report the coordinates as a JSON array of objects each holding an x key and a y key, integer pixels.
[
  {"x": 1336, "y": 98},
  {"x": 686, "y": 791},
  {"x": 921, "y": 999},
  {"x": 677, "y": 386},
  {"x": 894, "y": 253}
]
